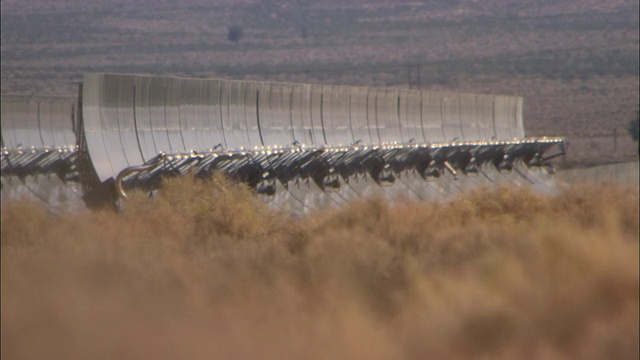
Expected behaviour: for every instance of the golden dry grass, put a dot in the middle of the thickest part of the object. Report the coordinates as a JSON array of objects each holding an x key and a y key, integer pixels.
[{"x": 208, "y": 272}]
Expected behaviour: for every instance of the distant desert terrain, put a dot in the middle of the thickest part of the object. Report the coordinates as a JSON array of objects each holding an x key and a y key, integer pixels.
[{"x": 575, "y": 62}]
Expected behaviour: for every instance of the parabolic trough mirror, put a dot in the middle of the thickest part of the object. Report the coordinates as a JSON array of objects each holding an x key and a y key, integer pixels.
[
  {"x": 300, "y": 146},
  {"x": 39, "y": 151}
]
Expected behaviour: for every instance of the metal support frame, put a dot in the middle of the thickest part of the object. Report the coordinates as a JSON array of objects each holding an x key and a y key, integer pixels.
[{"x": 261, "y": 166}]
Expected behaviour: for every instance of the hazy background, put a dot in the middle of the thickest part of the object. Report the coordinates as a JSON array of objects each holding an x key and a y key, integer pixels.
[{"x": 575, "y": 62}]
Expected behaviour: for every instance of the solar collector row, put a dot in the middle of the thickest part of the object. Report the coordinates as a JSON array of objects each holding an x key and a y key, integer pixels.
[
  {"x": 129, "y": 119},
  {"x": 38, "y": 135},
  {"x": 37, "y": 123}
]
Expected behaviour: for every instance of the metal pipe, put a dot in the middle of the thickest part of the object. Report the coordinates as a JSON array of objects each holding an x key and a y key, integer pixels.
[{"x": 132, "y": 169}]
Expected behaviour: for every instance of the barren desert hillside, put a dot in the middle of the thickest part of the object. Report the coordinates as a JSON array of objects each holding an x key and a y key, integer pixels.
[{"x": 575, "y": 62}]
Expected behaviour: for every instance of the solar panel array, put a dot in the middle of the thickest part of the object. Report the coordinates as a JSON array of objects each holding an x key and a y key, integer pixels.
[
  {"x": 301, "y": 146},
  {"x": 39, "y": 151}
]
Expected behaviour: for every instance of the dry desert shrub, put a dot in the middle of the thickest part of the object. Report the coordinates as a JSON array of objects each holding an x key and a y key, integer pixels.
[{"x": 207, "y": 271}]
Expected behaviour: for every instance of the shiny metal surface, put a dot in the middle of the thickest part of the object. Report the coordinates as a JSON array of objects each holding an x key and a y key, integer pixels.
[
  {"x": 300, "y": 146},
  {"x": 336, "y": 115},
  {"x": 432, "y": 117},
  {"x": 410, "y": 116},
  {"x": 359, "y": 115},
  {"x": 451, "y": 123},
  {"x": 316, "y": 110},
  {"x": 387, "y": 115},
  {"x": 99, "y": 138},
  {"x": 484, "y": 117},
  {"x": 508, "y": 117},
  {"x": 468, "y": 117},
  {"x": 142, "y": 114},
  {"x": 39, "y": 152}
]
